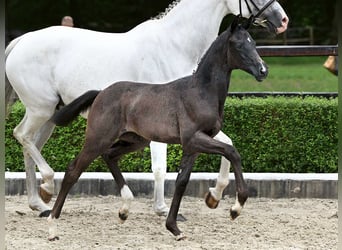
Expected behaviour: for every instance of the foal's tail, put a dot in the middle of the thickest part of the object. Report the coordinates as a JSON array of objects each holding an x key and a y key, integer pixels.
[{"x": 69, "y": 112}]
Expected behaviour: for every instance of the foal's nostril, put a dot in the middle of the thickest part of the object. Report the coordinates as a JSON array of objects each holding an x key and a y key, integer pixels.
[{"x": 263, "y": 70}]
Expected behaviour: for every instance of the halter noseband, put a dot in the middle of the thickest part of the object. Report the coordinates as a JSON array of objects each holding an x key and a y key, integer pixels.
[{"x": 260, "y": 11}]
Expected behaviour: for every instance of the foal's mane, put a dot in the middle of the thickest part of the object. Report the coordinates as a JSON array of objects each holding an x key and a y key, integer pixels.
[
  {"x": 222, "y": 38},
  {"x": 167, "y": 10}
]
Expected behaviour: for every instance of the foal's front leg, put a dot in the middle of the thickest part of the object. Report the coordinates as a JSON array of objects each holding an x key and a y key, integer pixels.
[
  {"x": 182, "y": 180},
  {"x": 205, "y": 144}
]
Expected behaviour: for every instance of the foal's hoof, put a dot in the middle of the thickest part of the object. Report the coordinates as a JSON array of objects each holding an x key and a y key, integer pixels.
[
  {"x": 46, "y": 197},
  {"x": 234, "y": 214},
  {"x": 123, "y": 217},
  {"x": 53, "y": 238},
  {"x": 211, "y": 201},
  {"x": 46, "y": 213},
  {"x": 180, "y": 237}
]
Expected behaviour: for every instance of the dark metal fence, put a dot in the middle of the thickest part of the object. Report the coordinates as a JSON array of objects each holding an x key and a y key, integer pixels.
[
  {"x": 286, "y": 94},
  {"x": 298, "y": 50}
]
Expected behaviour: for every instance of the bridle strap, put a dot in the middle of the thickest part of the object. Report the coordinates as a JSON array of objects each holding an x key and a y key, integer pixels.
[
  {"x": 260, "y": 11},
  {"x": 248, "y": 7},
  {"x": 264, "y": 8},
  {"x": 254, "y": 4}
]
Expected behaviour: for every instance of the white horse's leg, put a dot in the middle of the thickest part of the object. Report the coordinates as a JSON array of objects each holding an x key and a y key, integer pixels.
[
  {"x": 32, "y": 133},
  {"x": 215, "y": 193},
  {"x": 34, "y": 200},
  {"x": 158, "y": 158}
]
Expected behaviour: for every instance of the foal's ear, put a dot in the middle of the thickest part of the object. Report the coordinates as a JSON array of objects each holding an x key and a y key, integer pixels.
[
  {"x": 248, "y": 23},
  {"x": 235, "y": 23}
]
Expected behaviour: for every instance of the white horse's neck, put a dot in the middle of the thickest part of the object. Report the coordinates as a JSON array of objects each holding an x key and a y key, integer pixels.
[{"x": 192, "y": 25}]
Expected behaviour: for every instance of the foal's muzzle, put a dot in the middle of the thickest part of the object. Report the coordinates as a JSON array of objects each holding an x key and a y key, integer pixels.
[{"x": 262, "y": 72}]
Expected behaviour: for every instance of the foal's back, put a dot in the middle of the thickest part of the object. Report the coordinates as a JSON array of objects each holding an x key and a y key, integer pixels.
[{"x": 155, "y": 112}]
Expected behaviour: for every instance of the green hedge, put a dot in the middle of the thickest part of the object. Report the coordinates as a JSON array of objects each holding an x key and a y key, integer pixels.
[{"x": 272, "y": 135}]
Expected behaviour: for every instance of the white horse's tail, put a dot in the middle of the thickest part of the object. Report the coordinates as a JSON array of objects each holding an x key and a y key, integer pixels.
[{"x": 9, "y": 91}]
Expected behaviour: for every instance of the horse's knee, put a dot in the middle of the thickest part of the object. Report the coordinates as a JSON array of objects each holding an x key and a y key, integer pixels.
[
  {"x": 233, "y": 155},
  {"x": 159, "y": 174},
  {"x": 181, "y": 183},
  {"x": 71, "y": 177}
]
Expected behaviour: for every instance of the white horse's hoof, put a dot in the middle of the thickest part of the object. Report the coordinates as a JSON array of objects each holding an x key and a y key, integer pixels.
[
  {"x": 45, "y": 213},
  {"x": 46, "y": 196},
  {"x": 211, "y": 201},
  {"x": 161, "y": 211}
]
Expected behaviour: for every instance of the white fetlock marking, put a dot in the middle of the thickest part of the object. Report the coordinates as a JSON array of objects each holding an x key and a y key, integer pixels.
[
  {"x": 52, "y": 228},
  {"x": 223, "y": 177},
  {"x": 222, "y": 180},
  {"x": 180, "y": 237},
  {"x": 237, "y": 206},
  {"x": 127, "y": 197},
  {"x": 216, "y": 195}
]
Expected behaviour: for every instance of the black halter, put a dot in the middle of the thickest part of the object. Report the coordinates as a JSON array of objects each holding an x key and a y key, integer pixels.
[{"x": 260, "y": 11}]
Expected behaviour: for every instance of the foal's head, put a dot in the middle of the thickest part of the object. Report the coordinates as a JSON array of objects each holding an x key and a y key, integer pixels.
[{"x": 242, "y": 53}]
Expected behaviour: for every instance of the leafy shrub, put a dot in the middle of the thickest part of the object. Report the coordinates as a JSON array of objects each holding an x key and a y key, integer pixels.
[
  {"x": 272, "y": 135},
  {"x": 284, "y": 134}
]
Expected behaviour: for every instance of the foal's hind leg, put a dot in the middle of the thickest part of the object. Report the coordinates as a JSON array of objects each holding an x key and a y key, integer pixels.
[
  {"x": 111, "y": 157},
  {"x": 214, "y": 195}
]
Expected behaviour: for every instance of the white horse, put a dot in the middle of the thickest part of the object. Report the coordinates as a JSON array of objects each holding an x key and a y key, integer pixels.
[{"x": 57, "y": 64}]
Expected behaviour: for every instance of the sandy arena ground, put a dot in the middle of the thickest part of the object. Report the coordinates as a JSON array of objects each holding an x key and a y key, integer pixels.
[{"x": 92, "y": 223}]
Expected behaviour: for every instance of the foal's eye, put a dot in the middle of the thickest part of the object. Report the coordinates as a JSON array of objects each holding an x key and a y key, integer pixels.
[{"x": 251, "y": 41}]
